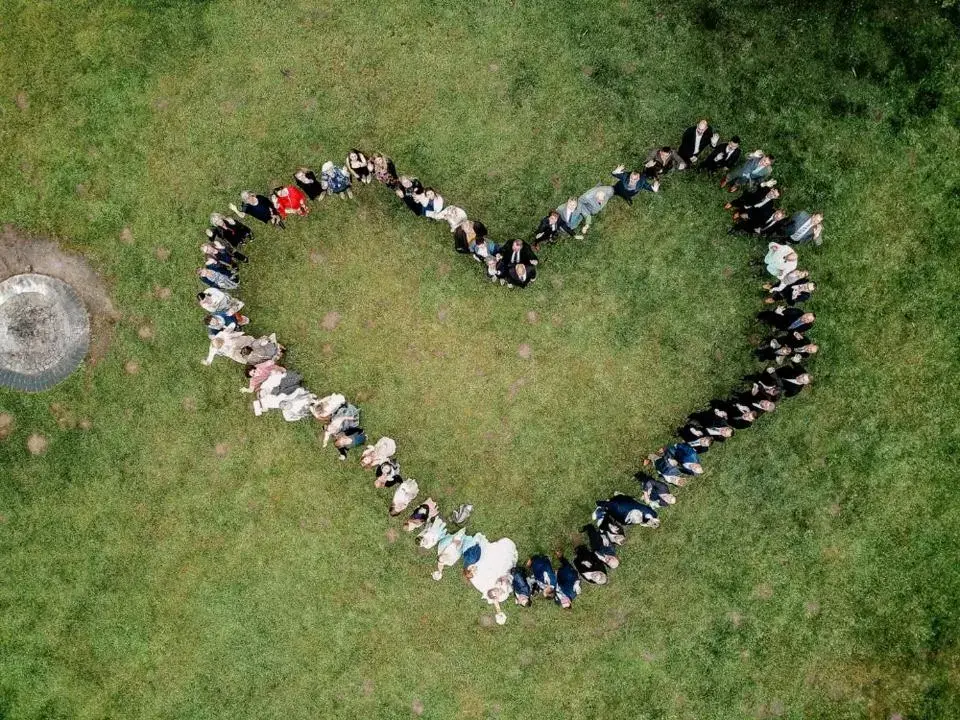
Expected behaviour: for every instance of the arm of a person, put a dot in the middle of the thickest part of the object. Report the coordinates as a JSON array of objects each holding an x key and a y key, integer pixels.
[{"x": 211, "y": 354}]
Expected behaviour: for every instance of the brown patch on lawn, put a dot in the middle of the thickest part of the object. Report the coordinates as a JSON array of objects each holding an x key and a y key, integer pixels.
[
  {"x": 162, "y": 254},
  {"x": 21, "y": 99},
  {"x": 391, "y": 534},
  {"x": 126, "y": 236},
  {"x": 417, "y": 707},
  {"x": 6, "y": 425},
  {"x": 316, "y": 257},
  {"x": 811, "y": 608},
  {"x": 145, "y": 332},
  {"x": 514, "y": 388},
  {"x": 37, "y": 444},
  {"x": 735, "y": 618},
  {"x": 131, "y": 367},
  {"x": 525, "y": 351},
  {"x": 162, "y": 293},
  {"x": 330, "y": 320},
  {"x": 366, "y": 687},
  {"x": 63, "y": 415},
  {"x": 85, "y": 424},
  {"x": 532, "y": 317},
  {"x": 763, "y": 591},
  {"x": 443, "y": 269},
  {"x": 189, "y": 404},
  {"x": 221, "y": 449},
  {"x": 443, "y": 314}
]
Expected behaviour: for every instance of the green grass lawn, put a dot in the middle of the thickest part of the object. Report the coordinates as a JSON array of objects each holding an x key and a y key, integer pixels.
[{"x": 814, "y": 572}]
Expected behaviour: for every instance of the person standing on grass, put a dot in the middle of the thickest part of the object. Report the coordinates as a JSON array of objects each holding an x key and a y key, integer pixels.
[
  {"x": 466, "y": 233},
  {"x": 792, "y": 378},
  {"x": 218, "y": 280},
  {"x": 290, "y": 200},
  {"x": 572, "y": 214},
  {"x": 590, "y": 567},
  {"x": 262, "y": 349},
  {"x": 592, "y": 202},
  {"x": 231, "y": 231},
  {"x": 802, "y": 227},
  {"x": 307, "y": 181},
  {"x": 359, "y": 167},
  {"x": 220, "y": 252},
  {"x": 724, "y": 157},
  {"x": 795, "y": 293},
  {"x": 544, "y": 579},
  {"x": 259, "y": 207},
  {"x": 696, "y": 140},
  {"x": 630, "y": 184},
  {"x": 773, "y": 226},
  {"x": 780, "y": 259},
  {"x": 550, "y": 228},
  {"x": 663, "y": 160},
  {"x": 217, "y": 301},
  {"x": 335, "y": 181},
  {"x": 788, "y": 319},
  {"x": 757, "y": 168},
  {"x": 568, "y": 584},
  {"x": 384, "y": 170},
  {"x": 228, "y": 342}
]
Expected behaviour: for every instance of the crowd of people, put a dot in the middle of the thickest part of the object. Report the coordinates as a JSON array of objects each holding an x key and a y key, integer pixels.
[{"x": 493, "y": 567}]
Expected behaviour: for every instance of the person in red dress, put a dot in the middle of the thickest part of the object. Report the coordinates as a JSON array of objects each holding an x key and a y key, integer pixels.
[{"x": 290, "y": 200}]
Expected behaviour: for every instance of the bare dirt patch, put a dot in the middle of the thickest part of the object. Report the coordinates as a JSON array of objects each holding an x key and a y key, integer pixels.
[
  {"x": 24, "y": 253},
  {"x": 6, "y": 425},
  {"x": 330, "y": 320},
  {"x": 37, "y": 444}
]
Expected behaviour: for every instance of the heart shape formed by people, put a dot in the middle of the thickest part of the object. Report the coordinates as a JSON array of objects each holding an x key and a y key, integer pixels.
[{"x": 492, "y": 566}]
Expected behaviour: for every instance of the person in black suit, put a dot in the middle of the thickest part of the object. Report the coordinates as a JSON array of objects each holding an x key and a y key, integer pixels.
[
  {"x": 795, "y": 293},
  {"x": 518, "y": 251},
  {"x": 792, "y": 378},
  {"x": 716, "y": 427},
  {"x": 791, "y": 346},
  {"x": 755, "y": 403},
  {"x": 764, "y": 384},
  {"x": 773, "y": 225},
  {"x": 517, "y": 265},
  {"x": 725, "y": 156},
  {"x": 695, "y": 140},
  {"x": 696, "y": 436},
  {"x": 787, "y": 319},
  {"x": 735, "y": 414},
  {"x": 550, "y": 228}
]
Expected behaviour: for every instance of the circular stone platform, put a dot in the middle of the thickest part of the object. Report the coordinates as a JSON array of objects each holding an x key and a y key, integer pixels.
[{"x": 44, "y": 331}]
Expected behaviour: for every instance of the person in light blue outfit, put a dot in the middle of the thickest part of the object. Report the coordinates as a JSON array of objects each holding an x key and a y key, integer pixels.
[
  {"x": 756, "y": 169},
  {"x": 572, "y": 213}
]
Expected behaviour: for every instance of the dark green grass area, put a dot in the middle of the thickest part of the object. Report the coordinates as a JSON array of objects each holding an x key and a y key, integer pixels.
[{"x": 812, "y": 573}]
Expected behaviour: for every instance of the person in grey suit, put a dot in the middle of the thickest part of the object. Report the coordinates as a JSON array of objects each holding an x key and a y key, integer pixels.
[{"x": 802, "y": 227}]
